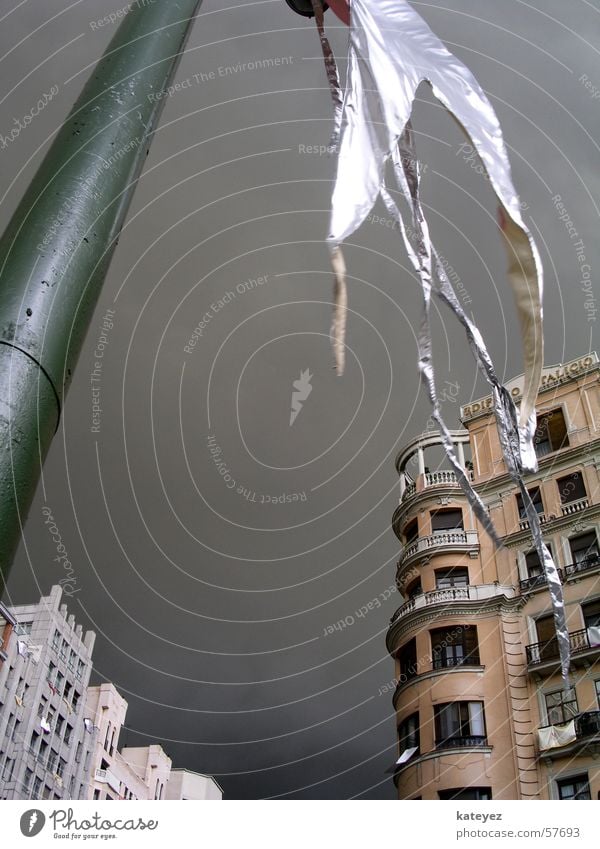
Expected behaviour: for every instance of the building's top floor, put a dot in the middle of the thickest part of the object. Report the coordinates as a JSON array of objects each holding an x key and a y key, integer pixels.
[
  {"x": 184, "y": 784},
  {"x": 568, "y": 408},
  {"x": 50, "y": 620},
  {"x": 568, "y": 417}
]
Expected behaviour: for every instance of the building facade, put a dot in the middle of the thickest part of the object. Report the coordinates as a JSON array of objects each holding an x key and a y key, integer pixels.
[
  {"x": 45, "y": 745},
  {"x": 59, "y": 736},
  {"x": 481, "y": 709}
]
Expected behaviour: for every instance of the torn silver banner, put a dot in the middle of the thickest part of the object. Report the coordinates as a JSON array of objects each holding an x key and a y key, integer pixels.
[{"x": 391, "y": 52}]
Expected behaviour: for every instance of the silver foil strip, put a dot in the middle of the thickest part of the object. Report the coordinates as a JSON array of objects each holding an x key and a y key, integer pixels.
[
  {"x": 332, "y": 73},
  {"x": 392, "y": 50}
]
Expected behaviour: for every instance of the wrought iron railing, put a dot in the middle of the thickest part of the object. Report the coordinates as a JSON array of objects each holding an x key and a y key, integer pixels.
[
  {"x": 461, "y": 742},
  {"x": 547, "y": 651}
]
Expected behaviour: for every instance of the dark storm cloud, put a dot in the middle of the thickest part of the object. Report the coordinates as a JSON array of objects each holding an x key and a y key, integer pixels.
[{"x": 215, "y": 603}]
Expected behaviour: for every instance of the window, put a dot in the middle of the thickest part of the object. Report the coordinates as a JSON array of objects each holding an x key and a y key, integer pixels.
[
  {"x": 577, "y": 787},
  {"x": 414, "y": 589},
  {"x": 411, "y": 532},
  {"x": 33, "y": 744},
  {"x": 78, "y": 753},
  {"x": 448, "y": 578},
  {"x": 37, "y": 787},
  {"x": 23, "y": 629},
  {"x": 547, "y": 642},
  {"x": 597, "y": 685},
  {"x": 591, "y": 613},
  {"x": 96, "y": 793},
  {"x": 551, "y": 433},
  {"x": 454, "y": 646},
  {"x": 62, "y": 766},
  {"x": 532, "y": 562},
  {"x": 459, "y": 724},
  {"x": 408, "y": 661},
  {"x": 52, "y": 761},
  {"x": 584, "y": 550},
  {"x": 536, "y": 497},
  {"x": 68, "y": 733},
  {"x": 58, "y": 728},
  {"x": 27, "y": 779},
  {"x": 408, "y": 733},
  {"x": 478, "y": 793},
  {"x": 447, "y": 520},
  {"x": 56, "y": 640},
  {"x": 75, "y": 702},
  {"x": 571, "y": 488},
  {"x": 42, "y": 706},
  {"x": 80, "y": 667},
  {"x": 561, "y": 706}
]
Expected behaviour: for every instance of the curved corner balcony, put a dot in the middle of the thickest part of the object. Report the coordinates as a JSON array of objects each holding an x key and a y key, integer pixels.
[
  {"x": 415, "y": 454},
  {"x": 441, "y": 542},
  {"x": 444, "y": 597}
]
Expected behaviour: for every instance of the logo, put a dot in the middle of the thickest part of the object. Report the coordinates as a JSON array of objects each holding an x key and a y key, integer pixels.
[
  {"x": 32, "y": 822},
  {"x": 302, "y": 389}
]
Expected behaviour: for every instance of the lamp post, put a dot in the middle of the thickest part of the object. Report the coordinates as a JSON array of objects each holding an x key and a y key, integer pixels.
[{"x": 56, "y": 250}]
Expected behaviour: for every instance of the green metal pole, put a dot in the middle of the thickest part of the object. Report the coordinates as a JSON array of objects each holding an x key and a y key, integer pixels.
[{"x": 57, "y": 248}]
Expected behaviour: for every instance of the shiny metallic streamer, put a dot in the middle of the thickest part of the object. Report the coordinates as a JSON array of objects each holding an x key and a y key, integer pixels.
[
  {"x": 392, "y": 50},
  {"x": 332, "y": 73}
]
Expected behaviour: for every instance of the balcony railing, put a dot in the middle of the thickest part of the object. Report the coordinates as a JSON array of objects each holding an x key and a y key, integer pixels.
[
  {"x": 592, "y": 561},
  {"x": 442, "y": 478},
  {"x": 585, "y": 564},
  {"x": 524, "y": 522},
  {"x": 441, "y": 662},
  {"x": 453, "y": 539},
  {"x": 535, "y": 581},
  {"x": 461, "y": 742},
  {"x": 587, "y": 724},
  {"x": 105, "y": 776},
  {"x": 575, "y": 506},
  {"x": 544, "y": 652},
  {"x": 478, "y": 592}
]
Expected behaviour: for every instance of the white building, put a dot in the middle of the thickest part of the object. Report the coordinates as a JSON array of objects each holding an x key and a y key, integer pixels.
[
  {"x": 59, "y": 737},
  {"x": 45, "y": 744},
  {"x": 139, "y": 772}
]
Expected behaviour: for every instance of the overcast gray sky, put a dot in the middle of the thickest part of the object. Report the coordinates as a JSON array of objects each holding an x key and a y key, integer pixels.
[{"x": 212, "y": 604}]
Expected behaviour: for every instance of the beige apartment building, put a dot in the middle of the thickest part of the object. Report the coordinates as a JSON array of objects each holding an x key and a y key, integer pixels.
[{"x": 481, "y": 709}]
